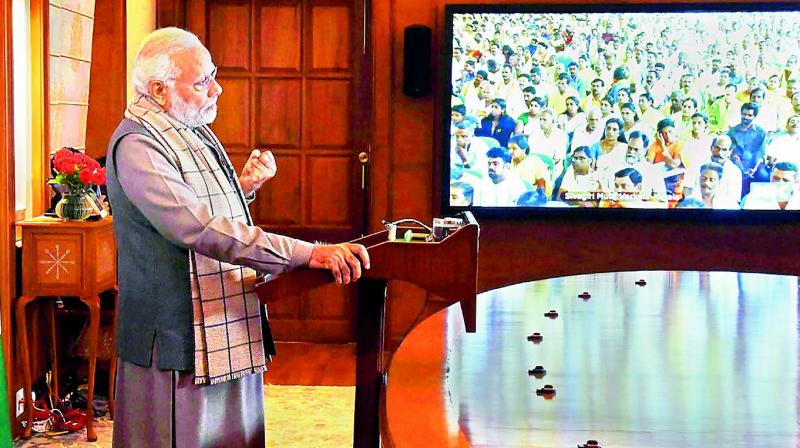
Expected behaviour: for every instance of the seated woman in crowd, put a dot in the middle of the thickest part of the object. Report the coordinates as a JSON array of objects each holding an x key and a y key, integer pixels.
[
  {"x": 683, "y": 119},
  {"x": 529, "y": 121},
  {"x": 631, "y": 122},
  {"x": 609, "y": 108},
  {"x": 623, "y": 96},
  {"x": 612, "y": 141},
  {"x": 530, "y": 168},
  {"x": 461, "y": 194},
  {"x": 498, "y": 124},
  {"x": 573, "y": 117}
]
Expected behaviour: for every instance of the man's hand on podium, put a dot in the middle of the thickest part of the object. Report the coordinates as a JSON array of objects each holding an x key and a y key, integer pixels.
[{"x": 341, "y": 260}]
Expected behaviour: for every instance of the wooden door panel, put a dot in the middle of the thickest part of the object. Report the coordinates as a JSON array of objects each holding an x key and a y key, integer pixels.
[
  {"x": 229, "y": 33},
  {"x": 330, "y": 41},
  {"x": 233, "y": 133},
  {"x": 280, "y": 31},
  {"x": 329, "y": 196},
  {"x": 278, "y": 117},
  {"x": 278, "y": 201},
  {"x": 330, "y": 113},
  {"x": 290, "y": 71}
]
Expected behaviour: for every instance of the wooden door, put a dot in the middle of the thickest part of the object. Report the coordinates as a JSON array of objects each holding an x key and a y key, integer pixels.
[{"x": 295, "y": 79}]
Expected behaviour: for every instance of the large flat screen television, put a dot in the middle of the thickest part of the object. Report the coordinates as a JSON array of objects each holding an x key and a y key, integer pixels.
[{"x": 661, "y": 109}]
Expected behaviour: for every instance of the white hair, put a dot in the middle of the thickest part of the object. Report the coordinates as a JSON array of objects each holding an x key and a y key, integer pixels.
[{"x": 154, "y": 60}]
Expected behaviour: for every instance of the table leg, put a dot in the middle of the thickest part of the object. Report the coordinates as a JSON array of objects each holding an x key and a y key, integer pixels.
[
  {"x": 369, "y": 362},
  {"x": 93, "y": 302},
  {"x": 112, "y": 369},
  {"x": 25, "y": 359},
  {"x": 51, "y": 316}
]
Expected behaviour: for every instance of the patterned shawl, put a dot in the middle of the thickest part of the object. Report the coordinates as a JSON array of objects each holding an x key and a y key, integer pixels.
[{"x": 226, "y": 311}]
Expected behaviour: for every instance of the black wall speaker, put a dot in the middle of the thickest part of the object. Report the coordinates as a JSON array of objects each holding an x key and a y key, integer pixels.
[{"x": 417, "y": 61}]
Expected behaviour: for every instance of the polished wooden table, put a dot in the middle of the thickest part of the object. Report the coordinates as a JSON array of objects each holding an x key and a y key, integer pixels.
[
  {"x": 66, "y": 258},
  {"x": 688, "y": 360}
]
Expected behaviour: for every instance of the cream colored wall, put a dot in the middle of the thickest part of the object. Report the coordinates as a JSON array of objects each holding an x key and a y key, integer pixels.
[
  {"x": 141, "y": 20},
  {"x": 71, "y": 25}
]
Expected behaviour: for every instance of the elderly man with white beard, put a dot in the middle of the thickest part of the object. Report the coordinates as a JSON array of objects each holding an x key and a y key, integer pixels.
[
  {"x": 192, "y": 338},
  {"x": 653, "y": 189}
]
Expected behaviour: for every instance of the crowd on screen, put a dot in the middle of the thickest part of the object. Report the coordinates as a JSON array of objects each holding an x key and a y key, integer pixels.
[{"x": 626, "y": 110}]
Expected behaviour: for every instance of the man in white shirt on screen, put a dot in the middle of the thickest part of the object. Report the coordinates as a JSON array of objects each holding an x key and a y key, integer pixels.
[
  {"x": 503, "y": 188},
  {"x": 591, "y": 133},
  {"x": 780, "y": 193},
  {"x": 786, "y": 147},
  {"x": 653, "y": 187},
  {"x": 549, "y": 140},
  {"x": 730, "y": 184}
]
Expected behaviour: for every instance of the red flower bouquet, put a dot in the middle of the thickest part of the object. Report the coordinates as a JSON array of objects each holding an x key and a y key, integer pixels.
[{"x": 76, "y": 172}]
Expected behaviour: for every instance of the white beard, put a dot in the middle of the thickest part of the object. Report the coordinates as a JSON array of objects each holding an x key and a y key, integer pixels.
[{"x": 188, "y": 114}]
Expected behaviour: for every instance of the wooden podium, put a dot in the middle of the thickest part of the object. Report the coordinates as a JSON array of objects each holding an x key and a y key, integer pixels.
[{"x": 447, "y": 268}]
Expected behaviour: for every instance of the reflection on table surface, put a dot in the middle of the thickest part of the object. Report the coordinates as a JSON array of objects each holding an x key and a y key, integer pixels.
[{"x": 688, "y": 360}]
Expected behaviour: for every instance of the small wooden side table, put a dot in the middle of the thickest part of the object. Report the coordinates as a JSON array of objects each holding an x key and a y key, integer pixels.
[{"x": 66, "y": 258}]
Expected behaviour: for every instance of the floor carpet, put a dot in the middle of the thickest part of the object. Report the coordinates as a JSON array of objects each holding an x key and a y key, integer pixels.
[{"x": 296, "y": 416}]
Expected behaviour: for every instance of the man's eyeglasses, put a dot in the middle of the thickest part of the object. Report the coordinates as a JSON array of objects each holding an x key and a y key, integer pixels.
[{"x": 203, "y": 83}]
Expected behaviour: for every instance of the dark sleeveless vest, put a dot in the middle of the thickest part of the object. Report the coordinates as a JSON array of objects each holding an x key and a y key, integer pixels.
[{"x": 155, "y": 301}]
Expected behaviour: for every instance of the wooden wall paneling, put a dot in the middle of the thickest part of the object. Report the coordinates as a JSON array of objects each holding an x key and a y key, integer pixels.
[
  {"x": 330, "y": 198},
  {"x": 280, "y": 35},
  {"x": 329, "y": 53},
  {"x": 233, "y": 102},
  {"x": 107, "y": 85},
  {"x": 279, "y": 202},
  {"x": 278, "y": 115},
  {"x": 411, "y": 165},
  {"x": 330, "y": 203},
  {"x": 171, "y": 13},
  {"x": 331, "y": 39},
  {"x": 410, "y": 129},
  {"x": 329, "y": 109},
  {"x": 7, "y": 203},
  {"x": 381, "y": 65},
  {"x": 229, "y": 33},
  {"x": 196, "y": 19},
  {"x": 362, "y": 109}
]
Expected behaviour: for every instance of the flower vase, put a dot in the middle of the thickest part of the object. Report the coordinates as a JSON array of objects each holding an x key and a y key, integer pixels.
[{"x": 74, "y": 207}]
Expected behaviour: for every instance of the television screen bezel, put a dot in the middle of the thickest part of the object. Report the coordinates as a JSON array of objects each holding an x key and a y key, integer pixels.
[{"x": 755, "y": 217}]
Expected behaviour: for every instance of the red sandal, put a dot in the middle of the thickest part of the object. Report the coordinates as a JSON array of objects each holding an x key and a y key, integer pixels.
[
  {"x": 41, "y": 416},
  {"x": 70, "y": 421}
]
